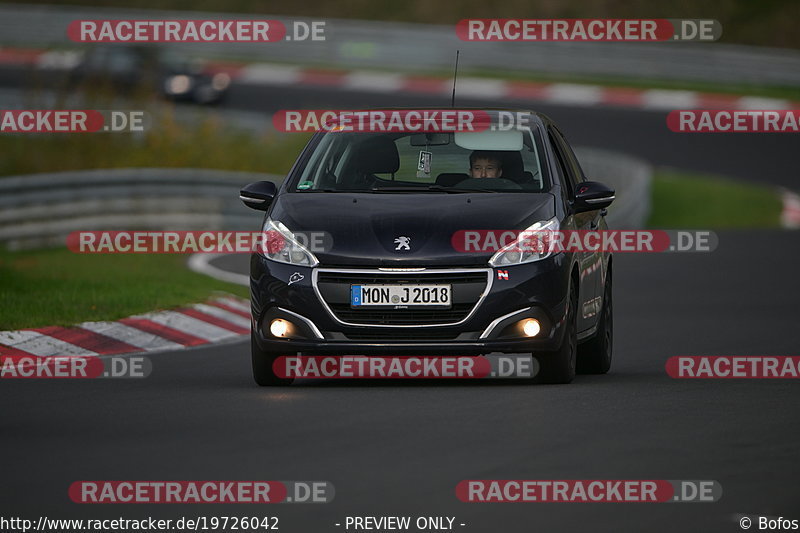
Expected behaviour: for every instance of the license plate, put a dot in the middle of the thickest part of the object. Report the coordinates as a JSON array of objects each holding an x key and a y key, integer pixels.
[{"x": 400, "y": 295}]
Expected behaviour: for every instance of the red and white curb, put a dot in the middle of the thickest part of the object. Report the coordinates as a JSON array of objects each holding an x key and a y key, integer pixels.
[
  {"x": 268, "y": 74},
  {"x": 468, "y": 87},
  {"x": 217, "y": 320},
  {"x": 43, "y": 59},
  {"x": 790, "y": 216}
]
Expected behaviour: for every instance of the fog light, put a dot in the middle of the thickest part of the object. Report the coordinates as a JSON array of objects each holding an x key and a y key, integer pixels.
[
  {"x": 531, "y": 327},
  {"x": 279, "y": 327}
]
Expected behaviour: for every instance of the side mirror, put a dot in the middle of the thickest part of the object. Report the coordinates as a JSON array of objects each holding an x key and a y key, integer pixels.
[
  {"x": 592, "y": 195},
  {"x": 258, "y": 195}
]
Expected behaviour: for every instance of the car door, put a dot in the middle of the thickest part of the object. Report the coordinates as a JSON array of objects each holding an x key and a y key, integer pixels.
[{"x": 589, "y": 262}]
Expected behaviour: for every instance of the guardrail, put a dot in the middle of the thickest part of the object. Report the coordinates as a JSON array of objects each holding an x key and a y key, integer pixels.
[
  {"x": 424, "y": 47},
  {"x": 40, "y": 210},
  {"x": 630, "y": 176}
]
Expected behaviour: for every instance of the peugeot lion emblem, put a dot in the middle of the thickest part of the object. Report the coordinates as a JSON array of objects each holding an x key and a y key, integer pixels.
[{"x": 402, "y": 243}]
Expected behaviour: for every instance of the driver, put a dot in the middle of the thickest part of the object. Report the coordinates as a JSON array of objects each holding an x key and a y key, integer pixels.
[{"x": 484, "y": 164}]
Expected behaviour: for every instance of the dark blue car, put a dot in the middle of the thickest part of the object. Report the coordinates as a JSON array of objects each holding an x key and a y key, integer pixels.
[{"x": 387, "y": 245}]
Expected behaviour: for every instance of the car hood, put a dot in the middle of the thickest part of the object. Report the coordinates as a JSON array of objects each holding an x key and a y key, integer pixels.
[{"x": 364, "y": 227}]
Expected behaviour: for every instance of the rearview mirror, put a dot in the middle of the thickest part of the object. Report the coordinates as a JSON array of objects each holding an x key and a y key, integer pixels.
[
  {"x": 430, "y": 139},
  {"x": 592, "y": 195},
  {"x": 258, "y": 195}
]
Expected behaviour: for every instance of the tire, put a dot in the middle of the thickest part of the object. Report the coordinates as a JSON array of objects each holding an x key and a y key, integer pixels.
[
  {"x": 262, "y": 367},
  {"x": 559, "y": 366},
  {"x": 594, "y": 356}
]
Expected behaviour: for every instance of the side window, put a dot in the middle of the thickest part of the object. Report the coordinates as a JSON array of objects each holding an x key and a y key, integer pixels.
[
  {"x": 564, "y": 175},
  {"x": 325, "y": 163},
  {"x": 571, "y": 158}
]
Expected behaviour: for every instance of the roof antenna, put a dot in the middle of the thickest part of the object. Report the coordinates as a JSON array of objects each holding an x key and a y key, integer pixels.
[{"x": 455, "y": 75}]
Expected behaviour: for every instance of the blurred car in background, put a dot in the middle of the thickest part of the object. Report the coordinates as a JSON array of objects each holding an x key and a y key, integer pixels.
[{"x": 171, "y": 75}]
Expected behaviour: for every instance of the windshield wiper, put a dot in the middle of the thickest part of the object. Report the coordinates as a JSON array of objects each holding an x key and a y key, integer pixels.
[
  {"x": 426, "y": 188},
  {"x": 333, "y": 190},
  {"x": 401, "y": 188}
]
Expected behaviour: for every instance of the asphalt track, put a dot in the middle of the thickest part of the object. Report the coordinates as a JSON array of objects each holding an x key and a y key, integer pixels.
[{"x": 400, "y": 448}]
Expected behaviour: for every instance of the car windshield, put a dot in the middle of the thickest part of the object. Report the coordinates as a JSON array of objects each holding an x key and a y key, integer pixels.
[{"x": 486, "y": 161}]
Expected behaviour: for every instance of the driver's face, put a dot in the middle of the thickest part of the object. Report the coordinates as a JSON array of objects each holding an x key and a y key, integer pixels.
[{"x": 486, "y": 168}]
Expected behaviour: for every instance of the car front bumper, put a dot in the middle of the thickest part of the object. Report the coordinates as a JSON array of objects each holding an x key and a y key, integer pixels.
[{"x": 510, "y": 294}]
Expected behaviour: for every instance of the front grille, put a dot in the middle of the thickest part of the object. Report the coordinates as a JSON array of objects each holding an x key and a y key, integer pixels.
[
  {"x": 467, "y": 289},
  {"x": 401, "y": 316},
  {"x": 402, "y": 335}
]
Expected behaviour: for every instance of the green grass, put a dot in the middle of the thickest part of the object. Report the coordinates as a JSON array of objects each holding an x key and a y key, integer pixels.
[
  {"x": 686, "y": 200},
  {"x": 59, "y": 287}
]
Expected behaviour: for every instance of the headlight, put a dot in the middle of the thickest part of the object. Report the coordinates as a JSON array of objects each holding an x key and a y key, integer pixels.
[
  {"x": 179, "y": 84},
  {"x": 220, "y": 81},
  {"x": 281, "y": 245},
  {"x": 533, "y": 244}
]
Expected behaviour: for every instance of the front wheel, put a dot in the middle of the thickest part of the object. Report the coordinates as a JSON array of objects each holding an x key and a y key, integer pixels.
[
  {"x": 559, "y": 366},
  {"x": 263, "y": 374}
]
